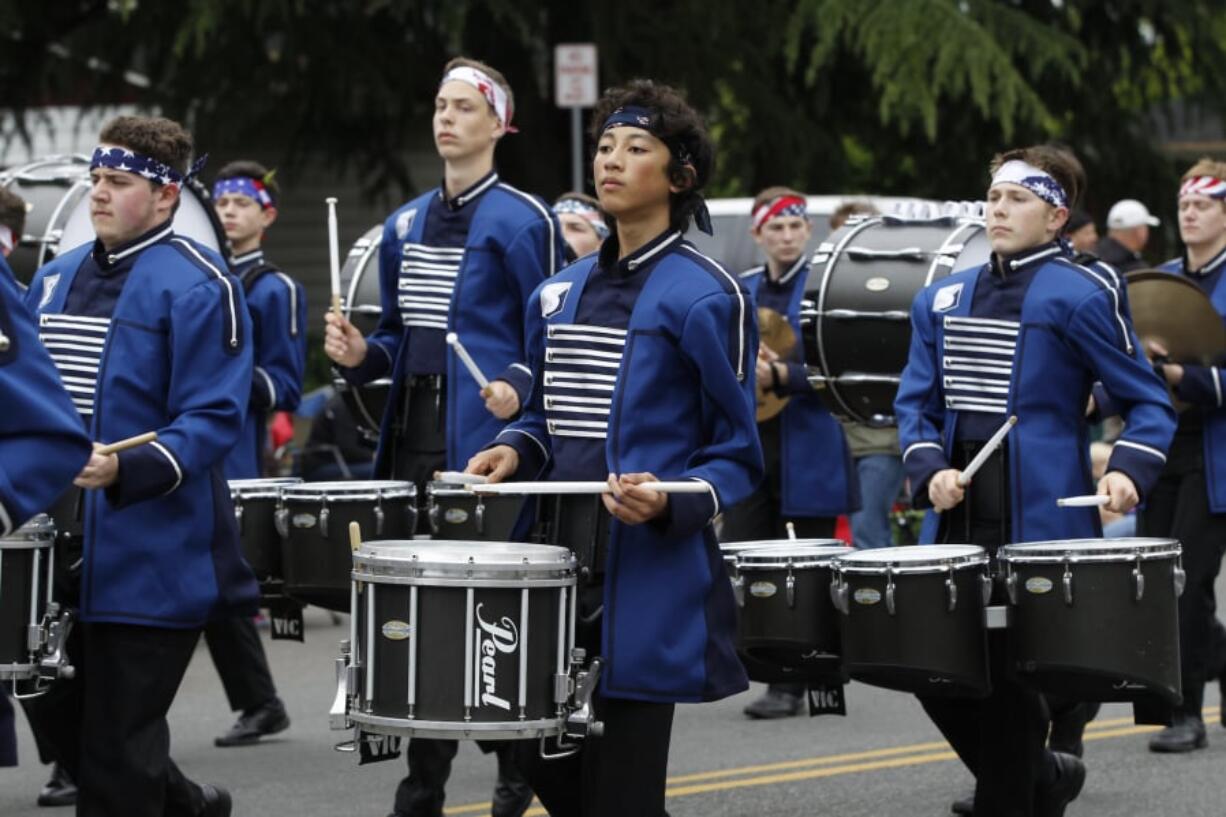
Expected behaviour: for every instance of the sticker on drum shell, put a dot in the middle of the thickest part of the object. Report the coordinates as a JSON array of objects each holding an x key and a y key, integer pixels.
[
  {"x": 1038, "y": 585},
  {"x": 303, "y": 520},
  {"x": 455, "y": 516},
  {"x": 877, "y": 284},
  {"x": 396, "y": 630},
  {"x": 763, "y": 590},
  {"x": 867, "y": 596}
]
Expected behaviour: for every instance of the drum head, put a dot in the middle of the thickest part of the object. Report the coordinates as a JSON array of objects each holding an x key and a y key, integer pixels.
[
  {"x": 349, "y": 490},
  {"x": 362, "y": 306},
  {"x": 462, "y": 560},
  {"x": 51, "y": 187},
  {"x": 1090, "y": 550},
  {"x": 920, "y": 558},
  {"x": 798, "y": 556},
  {"x": 253, "y": 488}
]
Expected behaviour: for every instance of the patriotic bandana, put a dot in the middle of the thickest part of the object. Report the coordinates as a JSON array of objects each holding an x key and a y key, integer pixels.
[
  {"x": 1210, "y": 186},
  {"x": 782, "y": 206},
  {"x": 244, "y": 186},
  {"x": 489, "y": 89},
  {"x": 634, "y": 116},
  {"x": 7, "y": 242},
  {"x": 117, "y": 158},
  {"x": 585, "y": 211},
  {"x": 1037, "y": 181}
]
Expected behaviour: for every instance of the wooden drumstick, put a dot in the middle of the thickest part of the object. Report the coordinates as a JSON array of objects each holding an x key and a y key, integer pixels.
[
  {"x": 355, "y": 536},
  {"x": 991, "y": 445},
  {"x": 334, "y": 255},
  {"x": 124, "y": 445}
]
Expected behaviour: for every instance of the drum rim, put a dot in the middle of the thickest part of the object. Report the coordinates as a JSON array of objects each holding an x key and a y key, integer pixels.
[
  {"x": 1111, "y": 550},
  {"x": 260, "y": 488},
  {"x": 932, "y": 564},
  {"x": 463, "y": 566},
  {"x": 764, "y": 544},
  {"x": 356, "y": 490},
  {"x": 779, "y": 558},
  {"x": 449, "y": 730}
]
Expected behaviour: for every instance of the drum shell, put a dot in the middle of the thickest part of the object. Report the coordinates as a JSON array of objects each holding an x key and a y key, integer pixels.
[
  {"x": 256, "y": 515},
  {"x": 455, "y": 513},
  {"x": 924, "y": 647},
  {"x": 25, "y": 568},
  {"x": 798, "y": 640},
  {"x": 1077, "y": 651},
  {"x": 52, "y": 187}
]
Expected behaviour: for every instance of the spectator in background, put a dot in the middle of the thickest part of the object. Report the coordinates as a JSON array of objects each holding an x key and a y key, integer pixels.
[
  {"x": 583, "y": 224},
  {"x": 12, "y": 220},
  {"x": 1081, "y": 231},
  {"x": 1128, "y": 225}
]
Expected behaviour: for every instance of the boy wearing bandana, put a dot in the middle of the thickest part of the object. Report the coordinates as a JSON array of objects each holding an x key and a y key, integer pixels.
[
  {"x": 583, "y": 224},
  {"x": 1034, "y": 331},
  {"x": 461, "y": 258},
  {"x": 651, "y": 347}
]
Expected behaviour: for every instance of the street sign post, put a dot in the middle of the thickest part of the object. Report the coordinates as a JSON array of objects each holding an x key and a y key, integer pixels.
[{"x": 575, "y": 87}]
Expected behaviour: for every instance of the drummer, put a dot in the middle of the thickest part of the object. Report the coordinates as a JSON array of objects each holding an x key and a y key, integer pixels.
[
  {"x": 1026, "y": 334},
  {"x": 809, "y": 480},
  {"x": 495, "y": 244},
  {"x": 678, "y": 331},
  {"x": 583, "y": 224}
]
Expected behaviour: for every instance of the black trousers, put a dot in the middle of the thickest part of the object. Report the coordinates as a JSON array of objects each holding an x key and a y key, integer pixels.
[
  {"x": 1178, "y": 508},
  {"x": 234, "y": 643}
]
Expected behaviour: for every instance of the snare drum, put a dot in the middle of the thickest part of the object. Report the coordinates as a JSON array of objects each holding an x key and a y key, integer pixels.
[
  {"x": 255, "y": 511},
  {"x": 787, "y": 617},
  {"x": 313, "y": 519},
  {"x": 25, "y": 592},
  {"x": 1096, "y": 619},
  {"x": 457, "y": 513},
  {"x": 913, "y": 618},
  {"x": 461, "y": 639}
]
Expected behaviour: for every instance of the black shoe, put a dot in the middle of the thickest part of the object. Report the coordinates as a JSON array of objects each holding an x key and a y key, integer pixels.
[
  {"x": 60, "y": 790},
  {"x": 268, "y": 719},
  {"x": 965, "y": 805},
  {"x": 1054, "y": 797},
  {"x": 1186, "y": 734},
  {"x": 216, "y": 801},
  {"x": 775, "y": 704},
  {"x": 512, "y": 794}
]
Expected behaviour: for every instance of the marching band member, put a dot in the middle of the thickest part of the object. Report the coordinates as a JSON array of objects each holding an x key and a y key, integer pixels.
[
  {"x": 149, "y": 332},
  {"x": 461, "y": 258},
  {"x": 583, "y": 224},
  {"x": 643, "y": 360},
  {"x": 809, "y": 477},
  {"x": 1026, "y": 334},
  {"x": 245, "y": 199}
]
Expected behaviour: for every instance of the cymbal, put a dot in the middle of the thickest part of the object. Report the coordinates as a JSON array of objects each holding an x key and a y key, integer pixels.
[
  {"x": 776, "y": 333},
  {"x": 1176, "y": 313}
]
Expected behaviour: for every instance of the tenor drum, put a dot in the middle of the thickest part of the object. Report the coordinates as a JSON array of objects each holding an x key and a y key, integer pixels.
[
  {"x": 856, "y": 314},
  {"x": 913, "y": 618},
  {"x": 52, "y": 187},
  {"x": 1096, "y": 619},
  {"x": 25, "y": 593},
  {"x": 313, "y": 520},
  {"x": 461, "y": 639},
  {"x": 362, "y": 306},
  {"x": 458, "y": 513},
  {"x": 255, "y": 510}
]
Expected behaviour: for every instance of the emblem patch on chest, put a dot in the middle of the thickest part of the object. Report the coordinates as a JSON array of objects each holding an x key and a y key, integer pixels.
[
  {"x": 404, "y": 223},
  {"x": 553, "y": 298},
  {"x": 49, "y": 284},
  {"x": 947, "y": 298}
]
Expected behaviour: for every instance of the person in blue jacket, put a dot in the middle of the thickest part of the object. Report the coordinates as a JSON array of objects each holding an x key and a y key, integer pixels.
[
  {"x": 643, "y": 368},
  {"x": 150, "y": 333},
  {"x": 1189, "y": 501},
  {"x": 809, "y": 480},
  {"x": 462, "y": 258},
  {"x": 1026, "y": 334},
  {"x": 42, "y": 444},
  {"x": 245, "y": 198}
]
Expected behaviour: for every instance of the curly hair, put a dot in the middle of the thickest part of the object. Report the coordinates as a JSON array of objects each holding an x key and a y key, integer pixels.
[
  {"x": 13, "y": 211},
  {"x": 247, "y": 168},
  {"x": 679, "y": 127},
  {"x": 1060, "y": 162},
  {"x": 155, "y": 136}
]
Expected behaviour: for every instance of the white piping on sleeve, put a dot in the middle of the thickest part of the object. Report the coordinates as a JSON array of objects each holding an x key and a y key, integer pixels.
[
  {"x": 174, "y": 464},
  {"x": 914, "y": 446},
  {"x": 1145, "y": 448},
  {"x": 272, "y": 389}
]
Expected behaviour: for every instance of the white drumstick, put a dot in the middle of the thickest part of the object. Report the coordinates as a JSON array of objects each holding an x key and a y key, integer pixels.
[
  {"x": 991, "y": 445},
  {"x": 453, "y": 340},
  {"x": 791, "y": 531},
  {"x": 1087, "y": 501},
  {"x": 681, "y": 487},
  {"x": 460, "y": 478},
  {"x": 334, "y": 255}
]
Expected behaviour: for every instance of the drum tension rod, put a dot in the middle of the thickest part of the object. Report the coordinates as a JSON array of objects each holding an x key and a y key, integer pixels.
[
  {"x": 951, "y": 589},
  {"x": 889, "y": 591},
  {"x": 791, "y": 586},
  {"x": 1068, "y": 582},
  {"x": 1138, "y": 579}
]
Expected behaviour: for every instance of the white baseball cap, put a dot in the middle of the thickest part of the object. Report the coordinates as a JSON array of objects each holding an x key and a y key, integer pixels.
[{"x": 1129, "y": 213}]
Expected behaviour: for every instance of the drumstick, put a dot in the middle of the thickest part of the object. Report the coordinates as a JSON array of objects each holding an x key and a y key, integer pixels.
[
  {"x": 124, "y": 445},
  {"x": 453, "y": 340},
  {"x": 355, "y": 536},
  {"x": 460, "y": 478},
  {"x": 1087, "y": 501},
  {"x": 991, "y": 445},
  {"x": 334, "y": 255},
  {"x": 791, "y": 531},
  {"x": 682, "y": 487}
]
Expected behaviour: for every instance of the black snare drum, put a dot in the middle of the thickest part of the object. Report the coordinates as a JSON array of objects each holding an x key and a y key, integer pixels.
[
  {"x": 26, "y": 599},
  {"x": 1096, "y": 619},
  {"x": 255, "y": 510},
  {"x": 913, "y": 618},
  {"x": 362, "y": 306},
  {"x": 457, "y": 513},
  {"x": 313, "y": 520},
  {"x": 461, "y": 639},
  {"x": 856, "y": 314}
]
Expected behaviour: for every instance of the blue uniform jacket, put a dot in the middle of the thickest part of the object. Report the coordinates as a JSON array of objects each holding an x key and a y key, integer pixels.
[
  {"x": 42, "y": 444},
  {"x": 278, "y": 341},
  {"x": 818, "y": 478},
  {"x": 513, "y": 244},
  {"x": 161, "y": 545},
  {"x": 682, "y": 408},
  {"x": 1075, "y": 328}
]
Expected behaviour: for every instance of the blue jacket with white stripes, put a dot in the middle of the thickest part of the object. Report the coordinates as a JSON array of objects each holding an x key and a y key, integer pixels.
[
  {"x": 513, "y": 242},
  {"x": 278, "y": 342},
  {"x": 1072, "y": 328},
  {"x": 161, "y": 545},
  {"x": 680, "y": 406}
]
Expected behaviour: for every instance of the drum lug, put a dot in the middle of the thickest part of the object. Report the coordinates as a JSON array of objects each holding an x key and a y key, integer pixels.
[
  {"x": 1138, "y": 580},
  {"x": 839, "y": 594},
  {"x": 738, "y": 590},
  {"x": 1180, "y": 577},
  {"x": 791, "y": 589},
  {"x": 951, "y": 590},
  {"x": 432, "y": 515},
  {"x": 338, "y": 715},
  {"x": 238, "y": 515},
  {"x": 324, "y": 513},
  {"x": 985, "y": 588},
  {"x": 379, "y": 516},
  {"x": 1068, "y": 584},
  {"x": 480, "y": 515},
  {"x": 890, "y": 605},
  {"x": 281, "y": 517}
]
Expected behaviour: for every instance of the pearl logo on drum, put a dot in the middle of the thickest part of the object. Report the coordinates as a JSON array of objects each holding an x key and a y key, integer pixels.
[
  {"x": 456, "y": 516},
  {"x": 500, "y": 637},
  {"x": 395, "y": 630},
  {"x": 1038, "y": 585},
  {"x": 762, "y": 590},
  {"x": 867, "y": 596}
]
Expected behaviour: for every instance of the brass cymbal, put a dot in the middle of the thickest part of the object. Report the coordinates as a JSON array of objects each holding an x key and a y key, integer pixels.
[
  {"x": 775, "y": 333},
  {"x": 1174, "y": 312}
]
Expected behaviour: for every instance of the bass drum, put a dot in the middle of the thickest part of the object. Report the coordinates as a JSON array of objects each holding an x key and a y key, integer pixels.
[
  {"x": 51, "y": 187},
  {"x": 362, "y": 306},
  {"x": 856, "y": 316}
]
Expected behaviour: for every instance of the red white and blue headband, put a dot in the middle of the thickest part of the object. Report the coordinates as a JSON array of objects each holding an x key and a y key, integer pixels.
[
  {"x": 782, "y": 206},
  {"x": 1209, "y": 186},
  {"x": 492, "y": 91},
  {"x": 244, "y": 186},
  {"x": 129, "y": 161},
  {"x": 1037, "y": 181},
  {"x": 585, "y": 211}
]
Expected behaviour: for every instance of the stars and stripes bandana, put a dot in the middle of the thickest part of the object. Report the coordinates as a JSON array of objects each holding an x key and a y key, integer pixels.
[
  {"x": 489, "y": 89},
  {"x": 584, "y": 211},
  {"x": 244, "y": 186},
  {"x": 1210, "y": 186},
  {"x": 1037, "y": 181},
  {"x": 782, "y": 206},
  {"x": 129, "y": 161}
]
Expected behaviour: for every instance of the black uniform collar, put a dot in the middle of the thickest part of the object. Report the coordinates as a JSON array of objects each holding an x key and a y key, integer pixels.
[
  {"x": 789, "y": 275},
  {"x": 1003, "y": 265},
  {"x": 1207, "y": 269},
  {"x": 472, "y": 193},
  {"x": 108, "y": 259},
  {"x": 649, "y": 253},
  {"x": 256, "y": 256}
]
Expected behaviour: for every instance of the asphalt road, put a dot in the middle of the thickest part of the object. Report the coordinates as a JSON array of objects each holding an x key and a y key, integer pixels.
[{"x": 883, "y": 759}]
